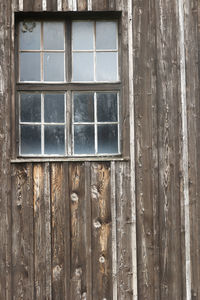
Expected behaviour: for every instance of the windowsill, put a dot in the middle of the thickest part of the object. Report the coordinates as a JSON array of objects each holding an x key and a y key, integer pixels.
[{"x": 68, "y": 159}]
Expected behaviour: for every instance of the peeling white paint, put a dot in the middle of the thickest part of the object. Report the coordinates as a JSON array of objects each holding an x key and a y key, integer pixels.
[
  {"x": 132, "y": 150},
  {"x": 21, "y": 6},
  {"x": 44, "y": 5},
  {"x": 59, "y": 5},
  {"x": 185, "y": 204},
  {"x": 89, "y": 4}
]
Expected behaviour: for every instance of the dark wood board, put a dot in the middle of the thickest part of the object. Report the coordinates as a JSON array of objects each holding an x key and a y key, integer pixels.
[
  {"x": 51, "y": 5},
  {"x": 32, "y": 5}
]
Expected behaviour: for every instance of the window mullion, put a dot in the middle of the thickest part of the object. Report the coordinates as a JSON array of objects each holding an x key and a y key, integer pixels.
[
  {"x": 42, "y": 124},
  {"x": 95, "y": 122}
]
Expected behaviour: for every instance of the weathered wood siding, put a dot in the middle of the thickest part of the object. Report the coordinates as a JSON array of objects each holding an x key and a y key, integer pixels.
[{"x": 67, "y": 228}]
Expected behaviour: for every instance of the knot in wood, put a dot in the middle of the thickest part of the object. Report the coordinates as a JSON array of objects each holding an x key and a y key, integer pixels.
[
  {"x": 84, "y": 296},
  {"x": 56, "y": 272},
  {"x": 102, "y": 259},
  {"x": 74, "y": 197},
  {"x": 78, "y": 272},
  {"x": 97, "y": 224}
]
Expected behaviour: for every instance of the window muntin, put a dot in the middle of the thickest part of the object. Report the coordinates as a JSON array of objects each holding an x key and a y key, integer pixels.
[
  {"x": 42, "y": 123},
  {"x": 95, "y": 123},
  {"x": 88, "y": 129},
  {"x": 94, "y": 50},
  {"x": 42, "y": 51}
]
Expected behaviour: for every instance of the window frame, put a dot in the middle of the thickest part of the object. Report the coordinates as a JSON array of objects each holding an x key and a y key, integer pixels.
[{"x": 68, "y": 87}]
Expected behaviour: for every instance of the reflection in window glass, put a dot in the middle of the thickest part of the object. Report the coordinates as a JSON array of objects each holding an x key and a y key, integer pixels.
[
  {"x": 30, "y": 66},
  {"x": 30, "y": 108},
  {"x": 83, "y": 66},
  {"x": 84, "y": 107},
  {"x": 54, "y": 140},
  {"x": 30, "y": 139},
  {"x": 53, "y": 35},
  {"x": 53, "y": 67},
  {"x": 107, "y": 107},
  {"x": 83, "y": 35},
  {"x": 30, "y": 34},
  {"x": 106, "y": 66},
  {"x": 54, "y": 108},
  {"x": 84, "y": 139},
  {"x": 107, "y": 139},
  {"x": 106, "y": 35}
]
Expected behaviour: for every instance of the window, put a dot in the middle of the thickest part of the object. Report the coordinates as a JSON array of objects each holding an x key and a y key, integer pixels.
[{"x": 68, "y": 88}]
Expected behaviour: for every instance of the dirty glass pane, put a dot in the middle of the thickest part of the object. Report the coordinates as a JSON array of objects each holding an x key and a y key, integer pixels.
[
  {"x": 108, "y": 139},
  {"x": 84, "y": 139},
  {"x": 30, "y": 66},
  {"x": 106, "y": 66},
  {"x": 30, "y": 107},
  {"x": 83, "y": 66},
  {"x": 54, "y": 108},
  {"x": 106, "y": 35},
  {"x": 54, "y": 140},
  {"x": 53, "y": 35},
  {"x": 84, "y": 107},
  {"x": 29, "y": 36},
  {"x": 107, "y": 107},
  {"x": 53, "y": 66},
  {"x": 30, "y": 139},
  {"x": 83, "y": 35}
]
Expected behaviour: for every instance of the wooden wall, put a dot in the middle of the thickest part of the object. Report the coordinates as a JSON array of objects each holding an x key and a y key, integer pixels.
[{"x": 67, "y": 229}]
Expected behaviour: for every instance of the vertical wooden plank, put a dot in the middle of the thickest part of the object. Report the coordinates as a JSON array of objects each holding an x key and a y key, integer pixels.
[
  {"x": 114, "y": 229},
  {"x": 190, "y": 157},
  {"x": 168, "y": 145},
  {"x": 124, "y": 224},
  {"x": 100, "y": 5},
  {"x": 5, "y": 171},
  {"x": 60, "y": 231},
  {"x": 146, "y": 149},
  {"x": 101, "y": 231},
  {"x": 22, "y": 232},
  {"x": 32, "y": 5},
  {"x": 78, "y": 202},
  {"x": 82, "y": 5},
  {"x": 42, "y": 228},
  {"x": 51, "y": 5}
]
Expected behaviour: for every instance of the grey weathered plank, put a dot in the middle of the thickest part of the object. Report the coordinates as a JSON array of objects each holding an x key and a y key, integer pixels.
[
  {"x": 5, "y": 171},
  {"x": 124, "y": 223},
  {"x": 60, "y": 236},
  {"x": 82, "y": 5},
  {"x": 51, "y": 5},
  {"x": 78, "y": 230},
  {"x": 32, "y": 5},
  {"x": 193, "y": 109},
  {"x": 168, "y": 145},
  {"x": 42, "y": 229},
  {"x": 100, "y": 5},
  {"x": 22, "y": 232},
  {"x": 146, "y": 149},
  {"x": 101, "y": 231}
]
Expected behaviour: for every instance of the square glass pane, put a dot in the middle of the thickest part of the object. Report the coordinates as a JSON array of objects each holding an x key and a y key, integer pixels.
[
  {"x": 84, "y": 107},
  {"x": 84, "y": 139},
  {"x": 30, "y": 66},
  {"x": 83, "y": 66},
  {"x": 54, "y": 140},
  {"x": 108, "y": 139},
  {"x": 53, "y": 35},
  {"x": 30, "y": 107},
  {"x": 82, "y": 35},
  {"x": 107, "y": 107},
  {"x": 53, "y": 66},
  {"x": 54, "y": 108},
  {"x": 106, "y": 66},
  {"x": 30, "y": 139},
  {"x": 106, "y": 35},
  {"x": 29, "y": 35}
]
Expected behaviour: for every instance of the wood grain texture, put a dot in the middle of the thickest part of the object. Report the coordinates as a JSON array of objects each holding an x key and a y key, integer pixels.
[
  {"x": 32, "y": 5},
  {"x": 146, "y": 149},
  {"x": 60, "y": 227},
  {"x": 82, "y": 5},
  {"x": 193, "y": 109},
  {"x": 42, "y": 229},
  {"x": 22, "y": 233},
  {"x": 168, "y": 145},
  {"x": 101, "y": 231},
  {"x": 5, "y": 170},
  {"x": 100, "y": 5},
  {"x": 51, "y": 5},
  {"x": 124, "y": 223}
]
